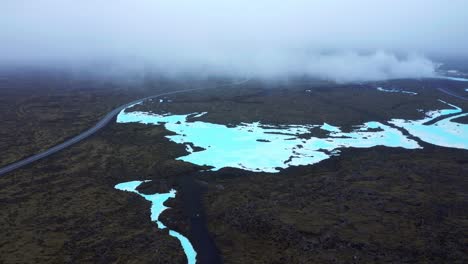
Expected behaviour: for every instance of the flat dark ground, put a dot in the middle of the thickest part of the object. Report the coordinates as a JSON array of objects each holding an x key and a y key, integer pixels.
[{"x": 367, "y": 205}]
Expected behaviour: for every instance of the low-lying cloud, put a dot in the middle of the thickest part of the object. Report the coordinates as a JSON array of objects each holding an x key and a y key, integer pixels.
[
  {"x": 337, "y": 40},
  {"x": 349, "y": 67}
]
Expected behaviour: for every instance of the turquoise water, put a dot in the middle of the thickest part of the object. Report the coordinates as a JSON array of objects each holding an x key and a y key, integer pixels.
[
  {"x": 458, "y": 79},
  {"x": 443, "y": 133},
  {"x": 259, "y": 147},
  {"x": 330, "y": 128},
  {"x": 157, "y": 207},
  {"x": 267, "y": 148},
  {"x": 395, "y": 91},
  {"x": 263, "y": 147},
  {"x": 186, "y": 245}
]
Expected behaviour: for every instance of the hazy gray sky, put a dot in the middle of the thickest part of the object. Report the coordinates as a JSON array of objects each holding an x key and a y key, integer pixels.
[{"x": 336, "y": 39}]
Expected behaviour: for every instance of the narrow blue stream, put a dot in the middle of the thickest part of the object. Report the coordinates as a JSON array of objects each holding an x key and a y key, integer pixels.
[{"x": 157, "y": 207}]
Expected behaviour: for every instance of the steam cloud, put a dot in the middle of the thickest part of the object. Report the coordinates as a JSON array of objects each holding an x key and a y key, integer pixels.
[{"x": 337, "y": 40}]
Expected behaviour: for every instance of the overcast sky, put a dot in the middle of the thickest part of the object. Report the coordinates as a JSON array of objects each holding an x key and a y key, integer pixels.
[{"x": 335, "y": 39}]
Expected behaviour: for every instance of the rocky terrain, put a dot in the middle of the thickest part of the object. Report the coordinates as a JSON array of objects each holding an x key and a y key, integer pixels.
[{"x": 365, "y": 206}]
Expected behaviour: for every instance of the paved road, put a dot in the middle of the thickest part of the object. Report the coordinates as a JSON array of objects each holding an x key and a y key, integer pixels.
[{"x": 101, "y": 124}]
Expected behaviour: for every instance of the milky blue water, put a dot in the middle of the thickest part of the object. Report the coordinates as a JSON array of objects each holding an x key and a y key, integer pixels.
[
  {"x": 267, "y": 148},
  {"x": 157, "y": 207},
  {"x": 395, "y": 91},
  {"x": 458, "y": 79},
  {"x": 442, "y": 133},
  {"x": 330, "y": 128},
  {"x": 262, "y": 147},
  {"x": 259, "y": 147}
]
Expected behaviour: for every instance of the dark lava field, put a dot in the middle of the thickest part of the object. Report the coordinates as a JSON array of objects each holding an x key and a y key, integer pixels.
[{"x": 369, "y": 205}]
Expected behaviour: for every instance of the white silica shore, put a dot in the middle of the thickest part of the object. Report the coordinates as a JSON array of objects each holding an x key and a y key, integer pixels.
[
  {"x": 395, "y": 91},
  {"x": 157, "y": 207}
]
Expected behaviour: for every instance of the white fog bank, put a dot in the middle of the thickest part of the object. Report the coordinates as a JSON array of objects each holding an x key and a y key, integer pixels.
[{"x": 336, "y": 40}]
